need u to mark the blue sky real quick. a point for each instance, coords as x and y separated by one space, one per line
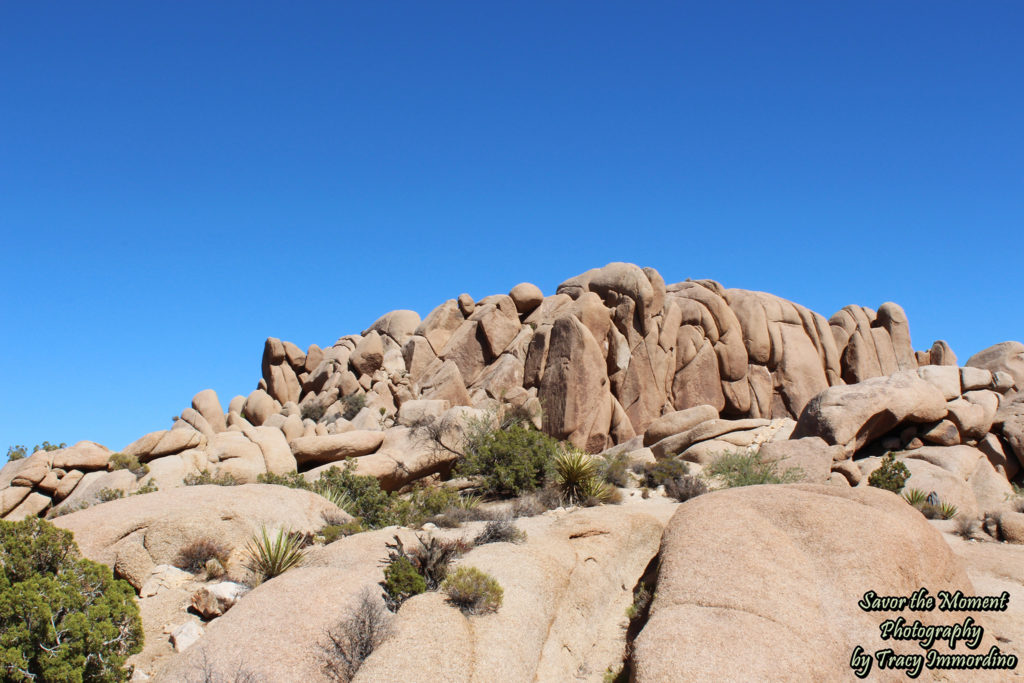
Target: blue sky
179 181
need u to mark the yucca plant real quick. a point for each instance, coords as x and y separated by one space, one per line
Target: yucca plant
948 510
915 497
470 501
267 558
575 475
334 494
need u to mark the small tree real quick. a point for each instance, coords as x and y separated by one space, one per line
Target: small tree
61 618
891 475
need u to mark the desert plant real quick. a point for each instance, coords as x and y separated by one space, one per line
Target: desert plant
642 596
352 404
205 477
402 581
598 492
500 531
61 618
194 556
269 557
614 469
574 470
120 461
509 461
354 638
16 452
149 487
915 497
369 502
107 495
947 510
531 504
685 487
748 469
335 494
473 591
332 532
656 474
891 475
293 480
966 527
430 558
312 410
205 671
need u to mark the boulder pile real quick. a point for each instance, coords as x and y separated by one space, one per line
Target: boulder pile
614 358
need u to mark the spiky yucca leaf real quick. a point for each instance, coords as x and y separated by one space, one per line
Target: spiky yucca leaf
267 557
574 470
948 510
470 501
334 494
915 497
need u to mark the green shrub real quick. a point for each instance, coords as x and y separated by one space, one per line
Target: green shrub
120 461
430 558
402 581
510 461
312 410
658 473
205 477
107 495
19 452
614 469
292 480
368 502
352 404
194 556
748 469
149 487
267 557
891 475
473 591
332 532
61 618
16 452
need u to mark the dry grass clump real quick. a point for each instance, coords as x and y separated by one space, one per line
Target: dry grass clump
194 556
473 591
354 638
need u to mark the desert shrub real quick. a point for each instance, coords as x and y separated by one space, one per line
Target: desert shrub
16 452
500 531
354 638
204 671
61 618
107 495
206 477
194 556
402 581
642 596
532 504
268 557
313 410
966 527
891 475
685 487
120 461
149 487
658 473
332 532
915 497
430 558
292 480
614 469
473 591
748 469
352 404
509 461
374 507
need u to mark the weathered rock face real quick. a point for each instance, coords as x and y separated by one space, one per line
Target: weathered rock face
739 567
1006 357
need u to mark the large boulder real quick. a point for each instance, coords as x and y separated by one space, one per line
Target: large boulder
319 450
1006 357
137 533
852 415
781 569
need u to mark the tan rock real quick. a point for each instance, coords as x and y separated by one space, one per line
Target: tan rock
399 325
314 356
497 327
444 382
213 601
944 378
972 379
414 411
527 297
439 325
812 456
32 469
368 354
853 415
848 470
67 484
941 433
318 450
208 405
258 407
971 419
84 455
1006 357
815 550
677 443
11 497
273 445
1002 460
283 383
31 506
941 354
467 349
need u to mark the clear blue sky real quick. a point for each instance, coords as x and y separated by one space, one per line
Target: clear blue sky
179 181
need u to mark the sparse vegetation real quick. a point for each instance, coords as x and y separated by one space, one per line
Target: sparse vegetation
355 637
658 473
749 469
269 557
313 410
891 475
352 404
332 532
509 461
61 618
915 497
206 477
614 469
120 461
107 495
149 487
685 487
966 527
473 591
194 556
500 531
18 452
